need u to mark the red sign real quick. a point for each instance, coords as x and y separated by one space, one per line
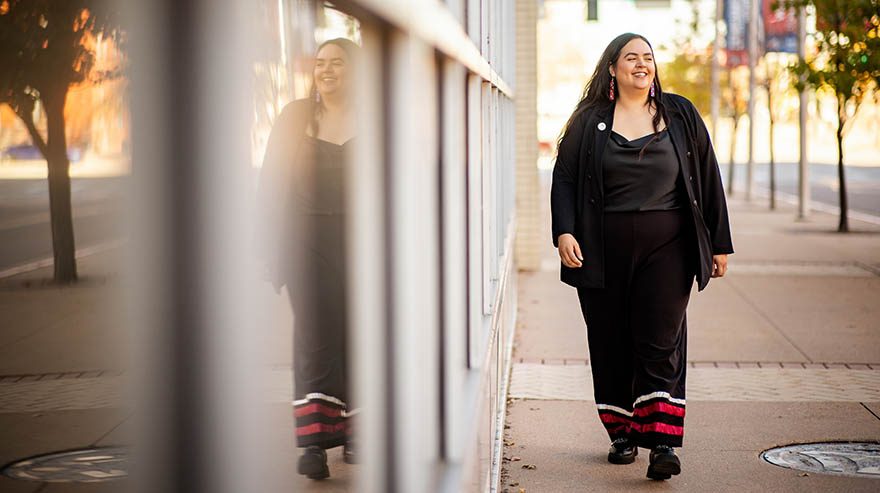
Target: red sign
780 28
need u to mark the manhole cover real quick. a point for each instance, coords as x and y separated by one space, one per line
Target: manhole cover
860 459
77 466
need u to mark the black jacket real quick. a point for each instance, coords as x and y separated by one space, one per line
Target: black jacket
576 196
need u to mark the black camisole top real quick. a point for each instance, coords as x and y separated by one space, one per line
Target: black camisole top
640 183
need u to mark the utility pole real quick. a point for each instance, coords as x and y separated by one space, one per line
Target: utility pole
753 56
716 48
803 170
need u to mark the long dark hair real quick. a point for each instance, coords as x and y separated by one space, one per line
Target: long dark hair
351 49
596 93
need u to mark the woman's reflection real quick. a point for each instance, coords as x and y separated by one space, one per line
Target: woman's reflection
303 178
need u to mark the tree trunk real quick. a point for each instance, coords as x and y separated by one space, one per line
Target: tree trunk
843 226
772 154
60 210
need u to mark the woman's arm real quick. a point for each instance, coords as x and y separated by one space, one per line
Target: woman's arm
563 191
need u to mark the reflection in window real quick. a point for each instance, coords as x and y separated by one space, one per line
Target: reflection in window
303 130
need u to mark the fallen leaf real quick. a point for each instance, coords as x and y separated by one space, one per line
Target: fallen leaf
515 459
515 483
530 467
804 474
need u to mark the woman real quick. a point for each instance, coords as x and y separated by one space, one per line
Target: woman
302 192
638 212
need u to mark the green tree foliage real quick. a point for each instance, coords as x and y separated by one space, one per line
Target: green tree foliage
45 47
689 73
847 63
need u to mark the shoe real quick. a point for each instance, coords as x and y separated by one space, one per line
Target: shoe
664 463
349 453
622 451
313 463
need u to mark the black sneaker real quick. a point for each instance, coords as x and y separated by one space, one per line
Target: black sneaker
313 463
664 463
622 451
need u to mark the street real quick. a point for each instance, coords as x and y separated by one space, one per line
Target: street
25 231
863 183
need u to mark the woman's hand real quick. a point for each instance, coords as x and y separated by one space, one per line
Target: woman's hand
569 251
719 265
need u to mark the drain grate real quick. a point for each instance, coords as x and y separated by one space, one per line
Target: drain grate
856 459
90 465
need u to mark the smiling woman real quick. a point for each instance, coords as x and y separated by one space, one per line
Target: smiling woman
638 213
302 191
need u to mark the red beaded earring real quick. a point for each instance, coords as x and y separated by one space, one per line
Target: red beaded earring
611 91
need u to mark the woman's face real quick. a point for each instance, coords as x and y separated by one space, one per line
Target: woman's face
635 66
331 69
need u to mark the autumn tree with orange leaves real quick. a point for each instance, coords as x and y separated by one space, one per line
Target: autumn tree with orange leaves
46 46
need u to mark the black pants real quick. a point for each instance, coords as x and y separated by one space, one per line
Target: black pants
321 404
637 326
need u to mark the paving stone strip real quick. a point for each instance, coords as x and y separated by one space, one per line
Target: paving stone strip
573 382
33 377
108 389
723 364
569 379
804 268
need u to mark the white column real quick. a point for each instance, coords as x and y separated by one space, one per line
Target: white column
367 283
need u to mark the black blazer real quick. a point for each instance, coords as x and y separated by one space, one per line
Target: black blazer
576 196
284 164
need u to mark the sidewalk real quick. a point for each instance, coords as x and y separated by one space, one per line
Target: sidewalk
65 378
785 349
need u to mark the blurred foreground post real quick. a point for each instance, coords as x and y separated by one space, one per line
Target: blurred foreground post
199 413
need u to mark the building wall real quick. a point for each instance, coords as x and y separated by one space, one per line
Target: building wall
445 178
430 237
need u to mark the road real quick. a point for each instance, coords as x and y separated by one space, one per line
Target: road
25 234
863 183
25 231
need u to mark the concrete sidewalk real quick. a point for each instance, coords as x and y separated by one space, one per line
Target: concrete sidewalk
65 378
785 349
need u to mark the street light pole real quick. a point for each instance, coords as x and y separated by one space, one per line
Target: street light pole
803 170
753 55
716 48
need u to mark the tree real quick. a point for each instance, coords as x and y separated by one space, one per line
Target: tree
847 64
689 74
45 47
690 69
768 81
736 101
